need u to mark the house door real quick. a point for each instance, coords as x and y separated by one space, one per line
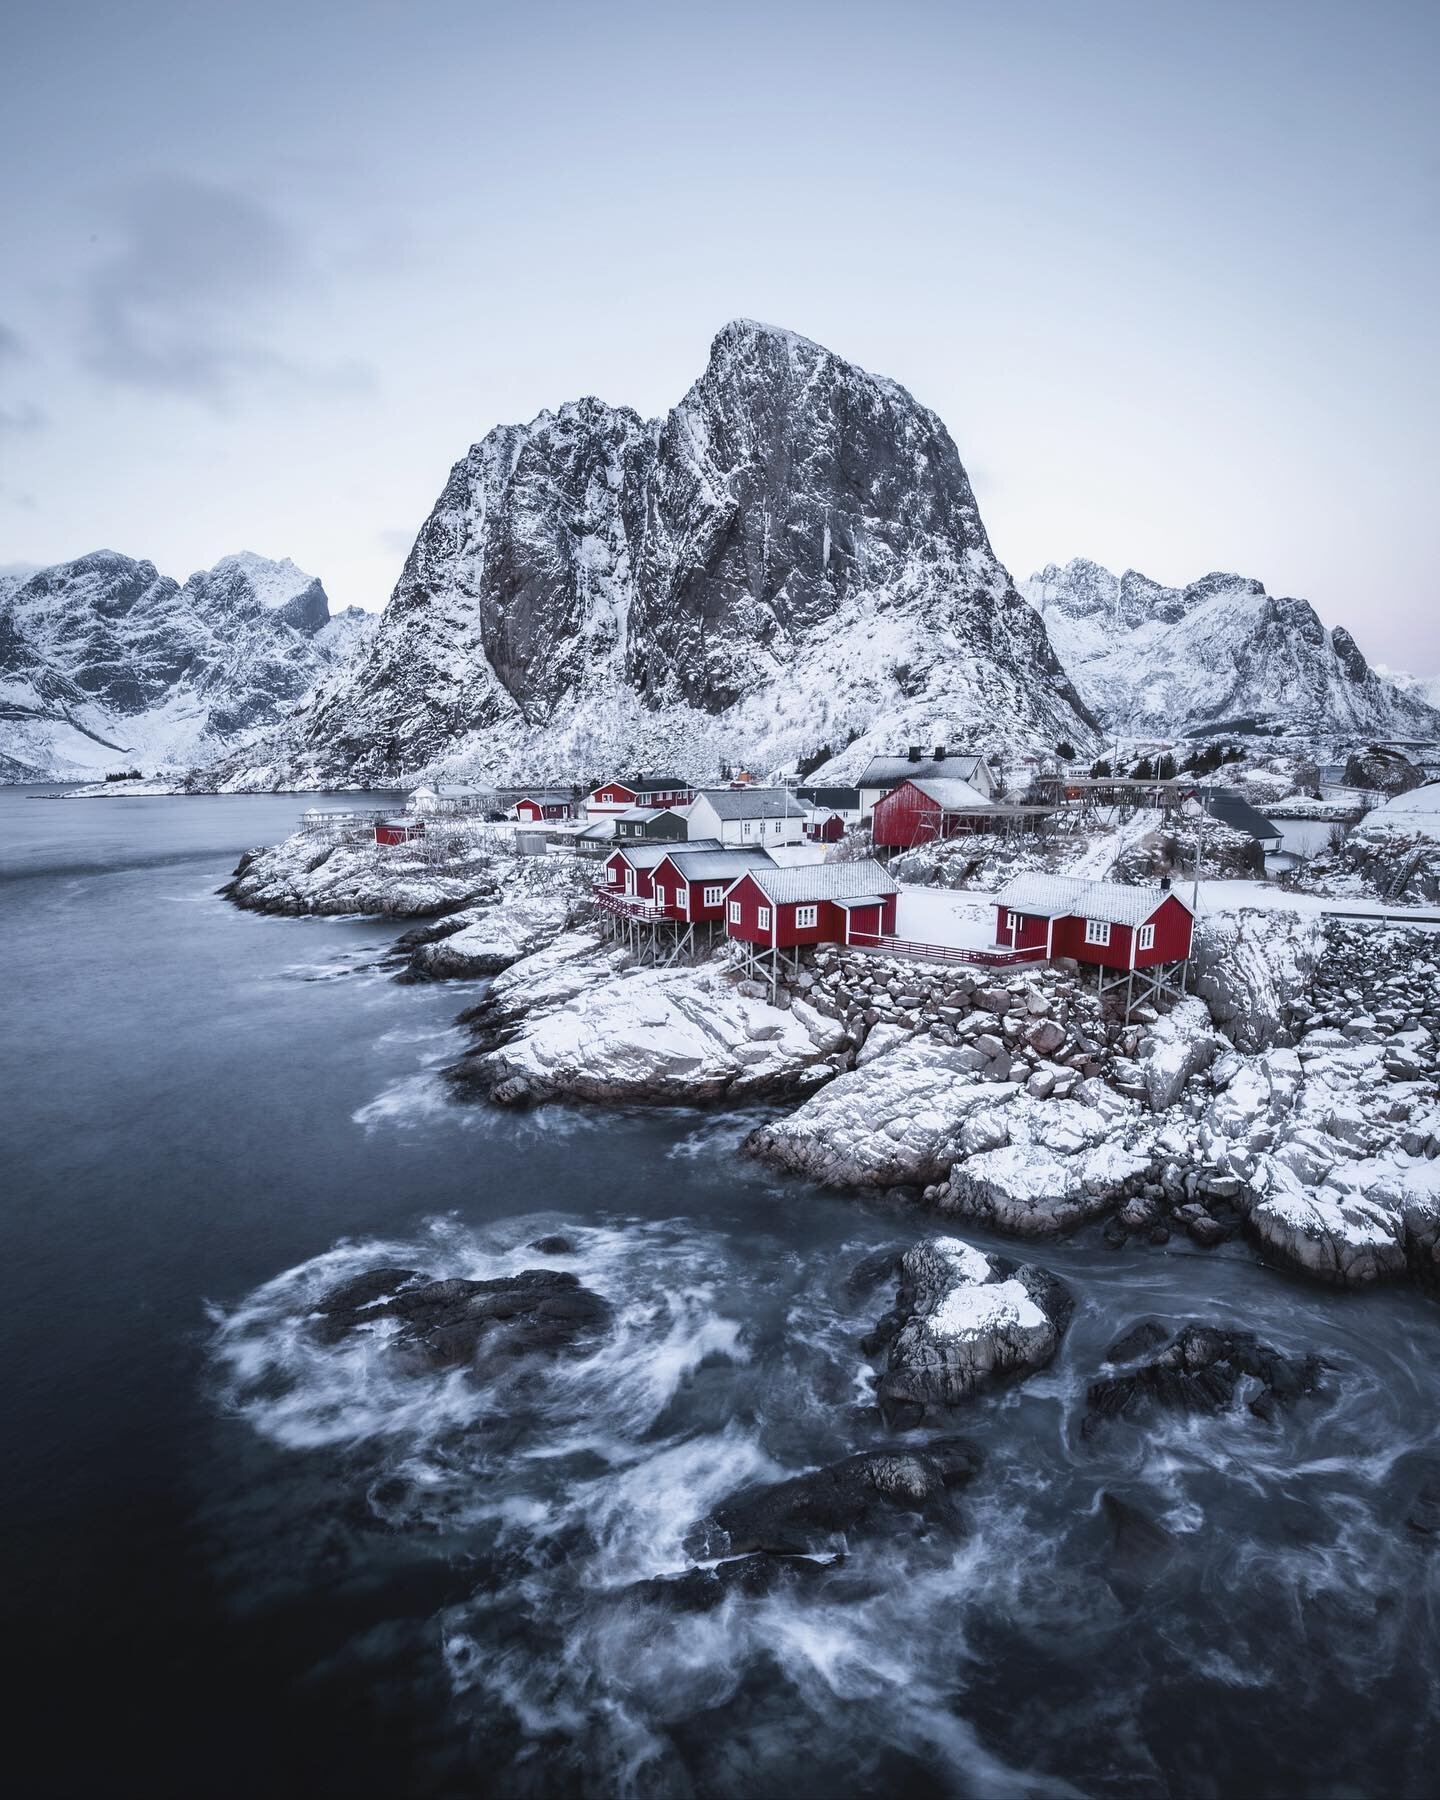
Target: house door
629 881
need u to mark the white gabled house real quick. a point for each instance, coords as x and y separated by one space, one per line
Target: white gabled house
745 817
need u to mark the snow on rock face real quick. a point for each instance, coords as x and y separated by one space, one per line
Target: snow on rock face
1177 1046
1252 967
962 1322
669 1035
493 937
306 875
105 661
792 554
1218 654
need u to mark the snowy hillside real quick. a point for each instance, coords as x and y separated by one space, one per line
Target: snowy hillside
791 557
1218 655
1420 687
107 664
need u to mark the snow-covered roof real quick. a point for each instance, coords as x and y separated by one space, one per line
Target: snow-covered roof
890 771
952 796
645 784
640 814
648 856
711 865
1068 896
598 833
824 881
546 796
753 803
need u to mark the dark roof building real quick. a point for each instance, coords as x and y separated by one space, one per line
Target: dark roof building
1231 808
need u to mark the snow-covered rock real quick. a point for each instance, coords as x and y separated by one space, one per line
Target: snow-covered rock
1251 967
1220 654
105 663
493 937
791 558
305 874
677 1036
1177 1046
962 1321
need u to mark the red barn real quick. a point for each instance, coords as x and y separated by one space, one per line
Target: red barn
919 812
691 884
399 831
1101 922
822 903
543 807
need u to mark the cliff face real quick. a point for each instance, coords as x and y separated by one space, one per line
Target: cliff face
1218 655
792 557
104 661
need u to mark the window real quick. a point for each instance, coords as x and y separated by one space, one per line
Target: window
1014 920
734 912
762 918
612 875
745 829
1147 938
1097 931
806 916
775 828
713 896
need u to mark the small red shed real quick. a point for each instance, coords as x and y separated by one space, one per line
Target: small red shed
399 831
824 827
919 812
1101 922
821 903
544 807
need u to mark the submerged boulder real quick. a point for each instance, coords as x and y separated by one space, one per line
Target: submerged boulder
962 1321
448 1323
702 1589
1203 1369
876 1491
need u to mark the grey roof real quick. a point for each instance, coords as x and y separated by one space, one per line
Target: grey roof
645 856
1233 809
753 803
645 784
601 831
951 795
838 799
545 796
1068 896
890 771
824 881
710 865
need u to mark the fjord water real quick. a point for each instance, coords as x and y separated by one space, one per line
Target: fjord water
242 1562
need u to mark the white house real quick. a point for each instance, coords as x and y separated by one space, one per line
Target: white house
760 816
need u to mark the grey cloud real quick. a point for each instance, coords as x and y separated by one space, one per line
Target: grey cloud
180 305
11 344
398 543
24 417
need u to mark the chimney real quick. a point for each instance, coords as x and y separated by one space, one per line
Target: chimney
1164 884
913 753
939 753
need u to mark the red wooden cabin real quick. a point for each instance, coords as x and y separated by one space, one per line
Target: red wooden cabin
630 868
1102 922
399 831
638 790
822 903
691 883
538 809
919 812
824 827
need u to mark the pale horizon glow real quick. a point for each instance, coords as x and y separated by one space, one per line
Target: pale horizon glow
1167 275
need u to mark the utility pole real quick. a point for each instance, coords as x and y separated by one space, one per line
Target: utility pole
1199 837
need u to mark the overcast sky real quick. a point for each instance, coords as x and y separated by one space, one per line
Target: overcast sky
1168 273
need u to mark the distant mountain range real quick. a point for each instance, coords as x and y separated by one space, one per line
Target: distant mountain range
1219 656
791 558
107 664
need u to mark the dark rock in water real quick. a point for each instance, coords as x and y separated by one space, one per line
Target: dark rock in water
447 1323
962 1321
701 1590
870 1271
1204 1369
876 1491
1135 1536
1424 1513
551 1246
1142 1337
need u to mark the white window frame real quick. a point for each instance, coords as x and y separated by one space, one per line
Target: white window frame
745 828
1097 931
736 912
612 875
1012 921
806 916
775 828
712 896
762 918
1146 939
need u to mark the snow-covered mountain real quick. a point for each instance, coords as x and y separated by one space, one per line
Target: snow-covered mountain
1421 687
105 663
791 558
1218 655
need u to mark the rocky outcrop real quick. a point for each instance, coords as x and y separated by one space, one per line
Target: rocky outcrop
1253 969
307 874
962 1321
1202 1369
1382 771
876 1492
792 557
455 1323
482 940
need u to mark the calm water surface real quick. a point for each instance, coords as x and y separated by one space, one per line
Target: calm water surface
239 1562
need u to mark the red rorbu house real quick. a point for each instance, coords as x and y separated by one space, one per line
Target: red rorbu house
399 831
919 812
823 827
629 869
545 806
637 790
772 911
689 885
1127 932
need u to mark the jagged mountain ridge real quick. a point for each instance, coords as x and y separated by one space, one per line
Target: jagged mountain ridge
792 557
1221 654
104 661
